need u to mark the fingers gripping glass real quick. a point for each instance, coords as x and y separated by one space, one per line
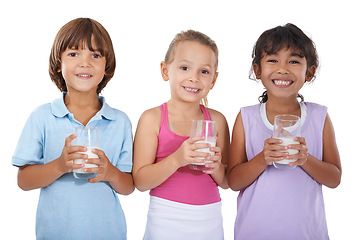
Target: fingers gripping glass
87 137
207 129
286 128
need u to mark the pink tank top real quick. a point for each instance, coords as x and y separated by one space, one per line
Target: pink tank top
185 185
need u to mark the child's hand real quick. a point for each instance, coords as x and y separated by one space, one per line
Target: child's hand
187 152
271 151
302 155
69 153
105 169
216 158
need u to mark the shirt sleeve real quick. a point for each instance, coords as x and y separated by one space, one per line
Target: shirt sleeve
125 163
29 149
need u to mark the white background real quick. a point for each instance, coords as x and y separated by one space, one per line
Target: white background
141 32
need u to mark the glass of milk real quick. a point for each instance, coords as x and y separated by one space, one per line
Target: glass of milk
87 137
208 129
286 128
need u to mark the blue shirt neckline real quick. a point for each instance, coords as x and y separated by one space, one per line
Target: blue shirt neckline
60 110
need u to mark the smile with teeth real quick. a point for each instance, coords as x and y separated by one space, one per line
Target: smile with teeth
191 89
282 82
84 75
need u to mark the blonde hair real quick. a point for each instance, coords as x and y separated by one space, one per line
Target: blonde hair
191 35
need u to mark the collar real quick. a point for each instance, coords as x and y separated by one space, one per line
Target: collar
60 110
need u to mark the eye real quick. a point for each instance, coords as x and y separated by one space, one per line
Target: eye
294 62
184 68
96 55
272 61
205 72
72 54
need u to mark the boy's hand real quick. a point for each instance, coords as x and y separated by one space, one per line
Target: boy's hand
105 169
69 153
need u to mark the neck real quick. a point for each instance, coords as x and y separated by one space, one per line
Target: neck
185 109
277 106
82 105
81 100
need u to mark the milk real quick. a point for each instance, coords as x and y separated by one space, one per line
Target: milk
79 173
201 166
286 142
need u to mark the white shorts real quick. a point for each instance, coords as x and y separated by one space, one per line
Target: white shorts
168 220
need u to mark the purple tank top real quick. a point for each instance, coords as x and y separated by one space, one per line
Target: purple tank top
185 185
282 204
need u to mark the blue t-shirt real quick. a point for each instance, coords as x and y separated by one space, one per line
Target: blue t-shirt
71 208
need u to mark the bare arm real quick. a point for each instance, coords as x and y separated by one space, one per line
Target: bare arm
241 172
38 176
120 181
149 174
328 171
146 173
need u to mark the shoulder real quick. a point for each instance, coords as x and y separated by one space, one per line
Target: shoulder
42 110
149 124
316 106
314 110
120 115
216 115
41 114
152 114
250 109
150 119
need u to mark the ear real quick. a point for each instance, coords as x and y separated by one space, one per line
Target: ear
214 80
310 73
257 71
164 71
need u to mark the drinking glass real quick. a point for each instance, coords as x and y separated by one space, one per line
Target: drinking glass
286 128
87 137
207 129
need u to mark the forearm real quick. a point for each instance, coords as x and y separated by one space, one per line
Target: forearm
122 182
244 174
322 172
220 177
152 175
38 176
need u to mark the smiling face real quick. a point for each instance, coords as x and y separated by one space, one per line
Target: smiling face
82 69
283 73
192 73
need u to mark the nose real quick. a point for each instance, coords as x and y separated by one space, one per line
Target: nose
85 61
194 77
282 68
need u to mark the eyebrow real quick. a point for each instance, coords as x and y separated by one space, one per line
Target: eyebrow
190 62
294 54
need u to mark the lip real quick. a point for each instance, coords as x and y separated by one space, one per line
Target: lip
191 90
282 82
84 76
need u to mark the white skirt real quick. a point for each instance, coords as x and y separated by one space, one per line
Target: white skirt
168 220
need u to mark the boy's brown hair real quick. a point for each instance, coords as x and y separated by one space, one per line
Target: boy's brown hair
76 33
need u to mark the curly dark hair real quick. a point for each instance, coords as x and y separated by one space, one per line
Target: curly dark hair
72 35
275 39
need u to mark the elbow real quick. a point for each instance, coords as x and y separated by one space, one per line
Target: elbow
234 187
128 191
23 187
334 184
141 187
